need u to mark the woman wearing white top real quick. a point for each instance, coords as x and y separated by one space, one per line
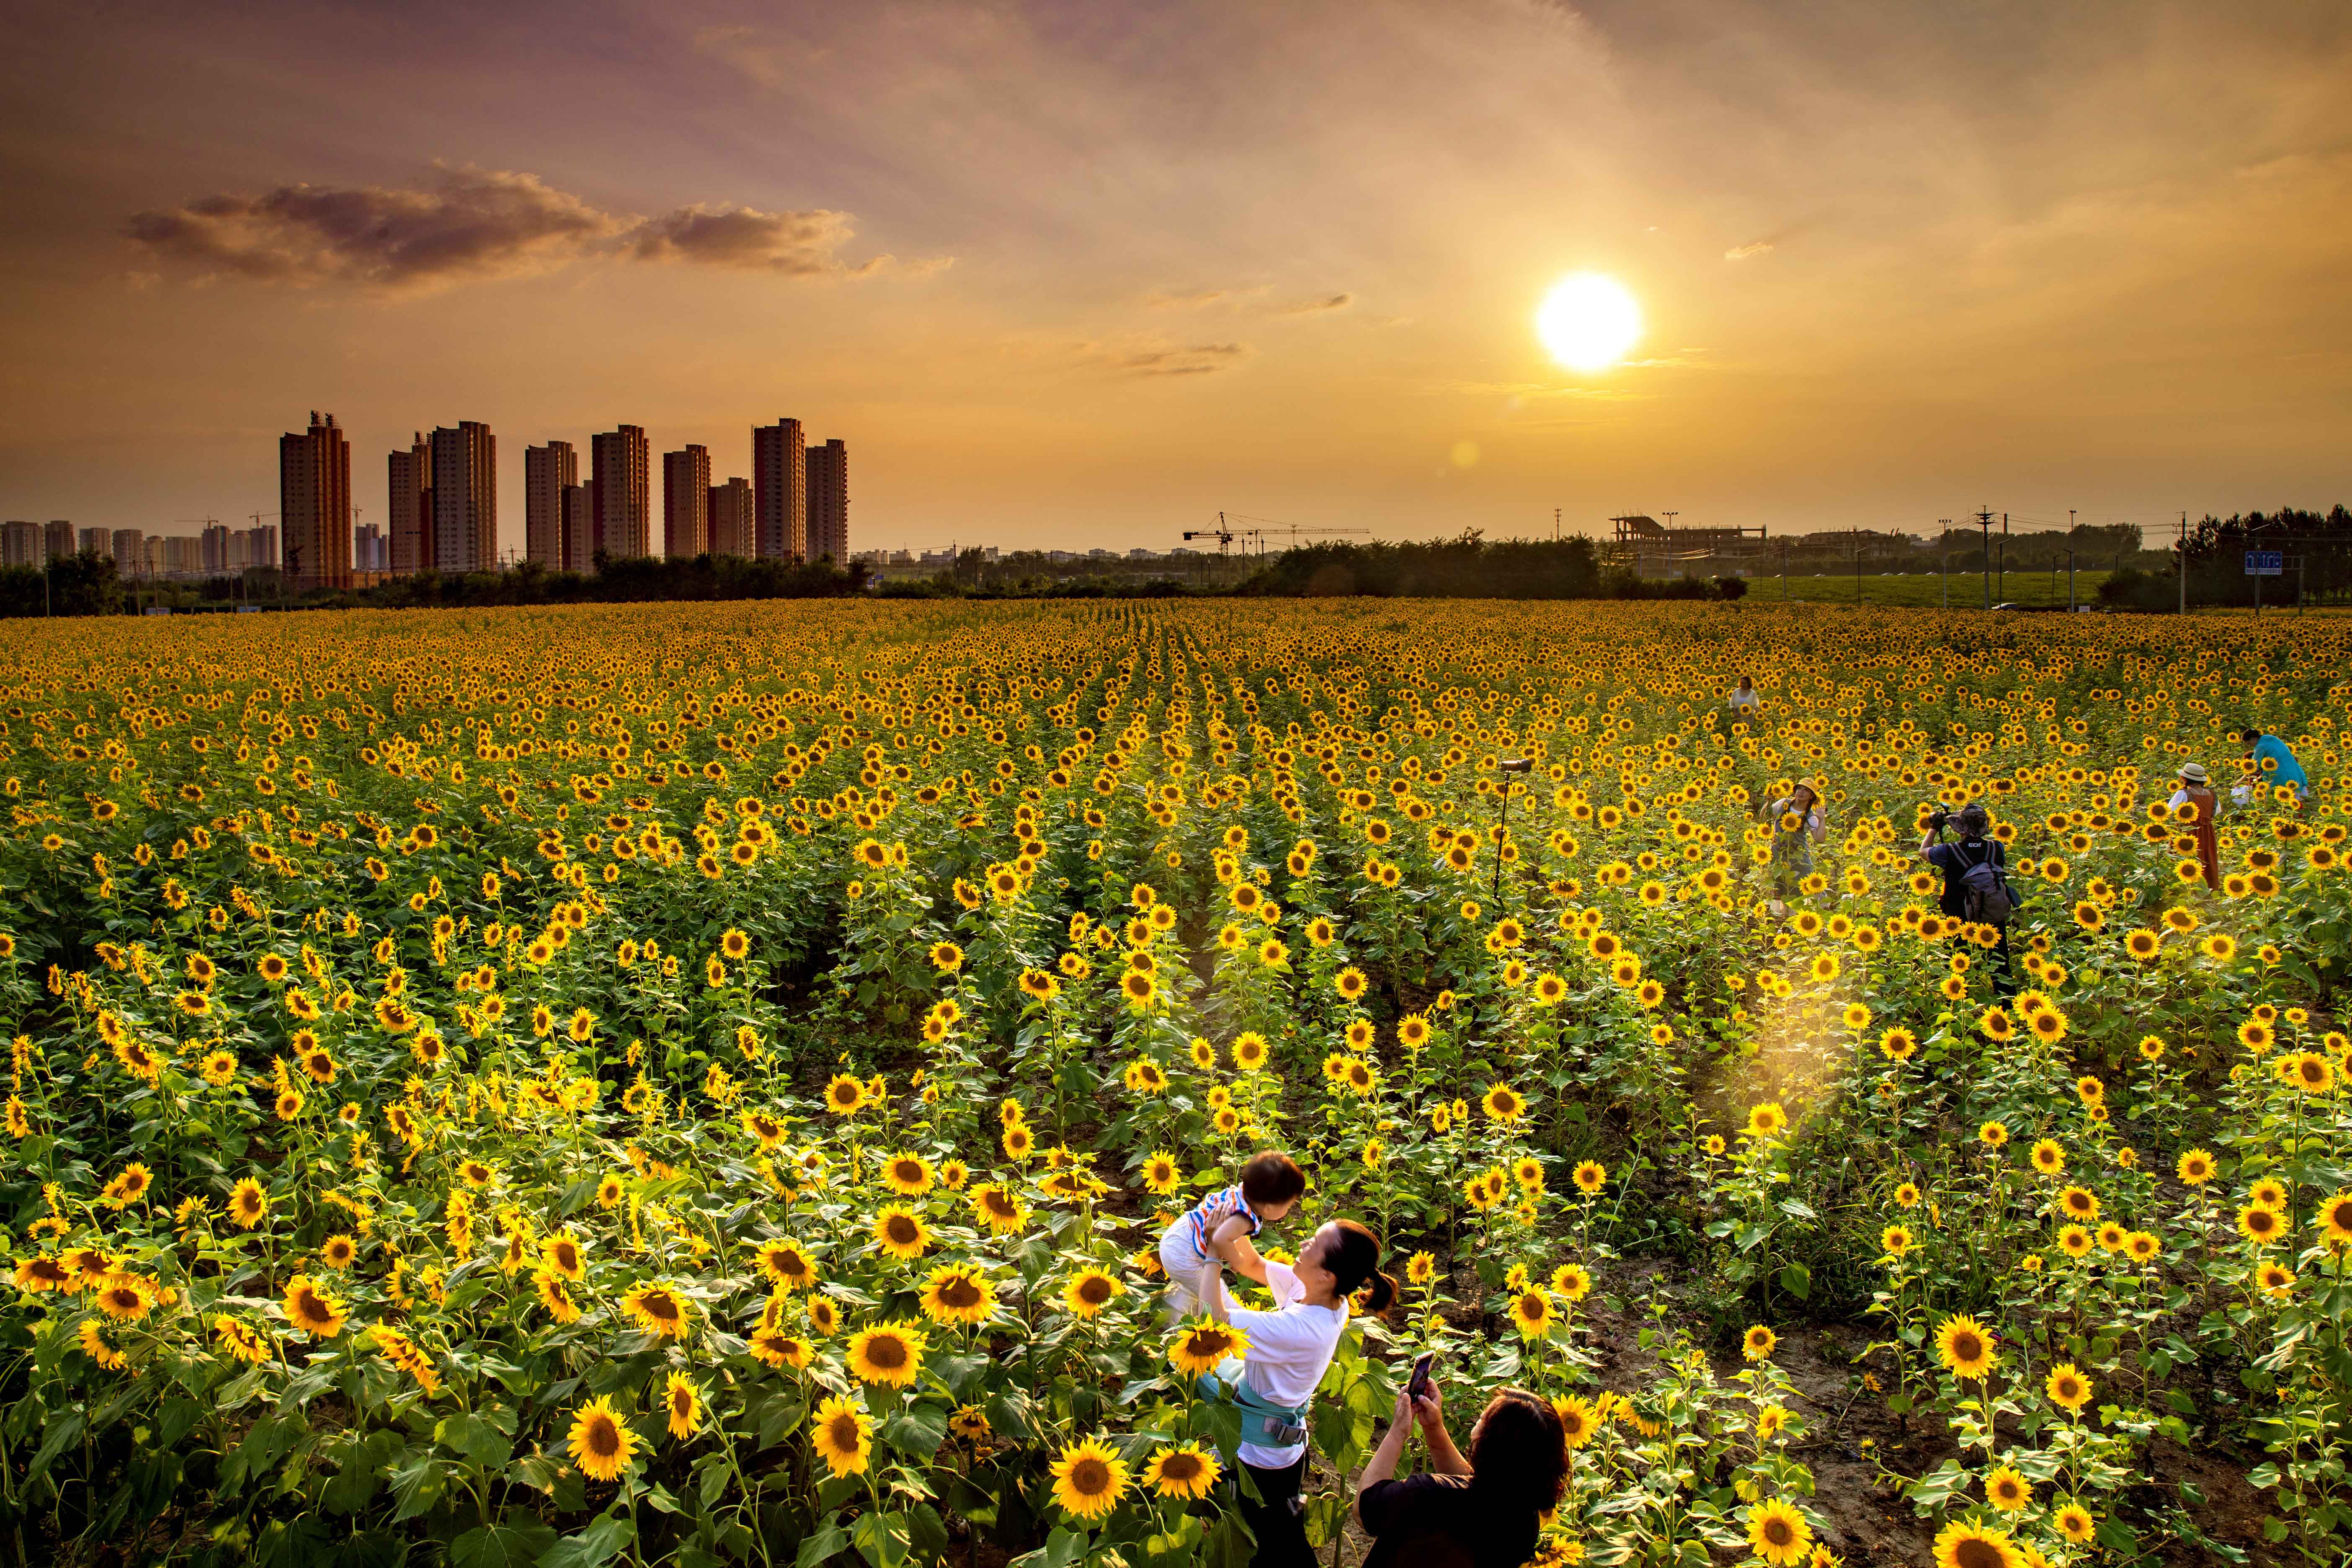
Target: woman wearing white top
1290 1348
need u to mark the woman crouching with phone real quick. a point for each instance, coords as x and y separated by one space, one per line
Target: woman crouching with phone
1484 1512
1290 1348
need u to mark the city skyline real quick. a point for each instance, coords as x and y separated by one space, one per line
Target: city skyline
1088 274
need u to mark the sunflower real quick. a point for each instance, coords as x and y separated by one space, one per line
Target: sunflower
1202 1346
2074 1522
1531 1311
998 1208
1249 1050
2196 1168
1421 1269
2078 1203
247 1204
1992 1135
1899 1044
888 1353
899 1232
2274 1279
1504 1104
1577 1420
1894 1240
1089 1478
2075 1241
125 1298
1965 1348
1778 1533
1962 1545
337 1252
683 1400
1907 1195
957 1294
2049 1158
845 1095
94 1345
1160 1173
1089 1292
656 1308
554 1297
1018 1140
907 1173
2068 1388
2261 1226
1758 1343
786 1264
1188 1472
2007 1491
242 1340
560 1253
601 1442
1766 1121
312 1310
2308 1071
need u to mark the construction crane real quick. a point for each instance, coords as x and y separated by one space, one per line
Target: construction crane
1225 533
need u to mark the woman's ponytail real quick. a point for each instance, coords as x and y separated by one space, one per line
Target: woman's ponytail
1355 1265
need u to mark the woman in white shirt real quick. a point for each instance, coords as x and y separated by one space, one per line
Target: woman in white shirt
1289 1349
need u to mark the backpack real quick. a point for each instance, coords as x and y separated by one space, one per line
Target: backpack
1984 893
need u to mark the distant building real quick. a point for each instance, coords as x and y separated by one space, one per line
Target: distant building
828 500
96 541
369 549
464 490
547 472
1139 553
685 503
57 540
216 547
579 528
734 521
20 545
780 490
410 530
314 503
250 547
623 474
128 548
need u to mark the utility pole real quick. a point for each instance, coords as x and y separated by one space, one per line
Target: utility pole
1984 561
1554 525
1946 524
1857 565
2184 562
2003 594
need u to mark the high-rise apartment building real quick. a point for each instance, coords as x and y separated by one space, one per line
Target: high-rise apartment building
128 548
57 540
216 547
314 503
828 503
685 503
20 545
256 546
623 473
780 490
547 472
409 531
465 498
96 541
579 528
733 523
368 549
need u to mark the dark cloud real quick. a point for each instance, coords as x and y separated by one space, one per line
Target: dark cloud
1316 307
467 223
472 224
798 244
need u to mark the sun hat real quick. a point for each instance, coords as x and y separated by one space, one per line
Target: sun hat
2194 772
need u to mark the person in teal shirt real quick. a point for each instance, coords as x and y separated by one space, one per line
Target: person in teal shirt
2275 761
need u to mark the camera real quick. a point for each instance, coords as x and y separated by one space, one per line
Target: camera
1937 819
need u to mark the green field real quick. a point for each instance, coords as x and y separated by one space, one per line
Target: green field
1925 590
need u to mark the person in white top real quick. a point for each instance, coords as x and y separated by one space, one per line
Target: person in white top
1289 1349
1745 696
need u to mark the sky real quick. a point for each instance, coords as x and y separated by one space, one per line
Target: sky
1068 275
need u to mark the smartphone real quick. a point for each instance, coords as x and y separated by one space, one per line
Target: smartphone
1419 1384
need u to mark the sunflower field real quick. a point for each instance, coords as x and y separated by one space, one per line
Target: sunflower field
704 1083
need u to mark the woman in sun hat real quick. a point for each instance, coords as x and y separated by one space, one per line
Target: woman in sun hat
2196 794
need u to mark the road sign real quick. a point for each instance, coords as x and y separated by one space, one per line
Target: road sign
2265 563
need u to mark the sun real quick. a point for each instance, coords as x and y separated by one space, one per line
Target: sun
1589 320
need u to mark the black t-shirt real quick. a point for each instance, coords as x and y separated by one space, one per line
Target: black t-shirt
1440 1522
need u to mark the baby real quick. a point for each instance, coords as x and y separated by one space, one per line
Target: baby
1216 1231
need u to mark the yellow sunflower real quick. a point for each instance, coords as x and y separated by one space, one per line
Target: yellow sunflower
1965 1348
843 1436
1778 1533
1188 1472
1089 1478
889 1352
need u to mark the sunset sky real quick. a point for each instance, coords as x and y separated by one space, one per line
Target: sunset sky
1082 274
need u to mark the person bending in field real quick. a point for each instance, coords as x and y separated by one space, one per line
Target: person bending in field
2196 801
2274 764
1215 1233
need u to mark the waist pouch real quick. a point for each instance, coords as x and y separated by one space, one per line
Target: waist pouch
1264 1424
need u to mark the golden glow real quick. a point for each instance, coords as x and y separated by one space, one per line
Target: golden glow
1589 320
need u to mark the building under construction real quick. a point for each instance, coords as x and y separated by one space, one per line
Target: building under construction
1648 545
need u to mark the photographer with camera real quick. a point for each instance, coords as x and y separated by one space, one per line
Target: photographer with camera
1483 1512
1976 876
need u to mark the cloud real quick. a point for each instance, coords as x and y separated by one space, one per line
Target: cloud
1316 307
1742 252
474 225
1187 299
468 224
796 244
1157 357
